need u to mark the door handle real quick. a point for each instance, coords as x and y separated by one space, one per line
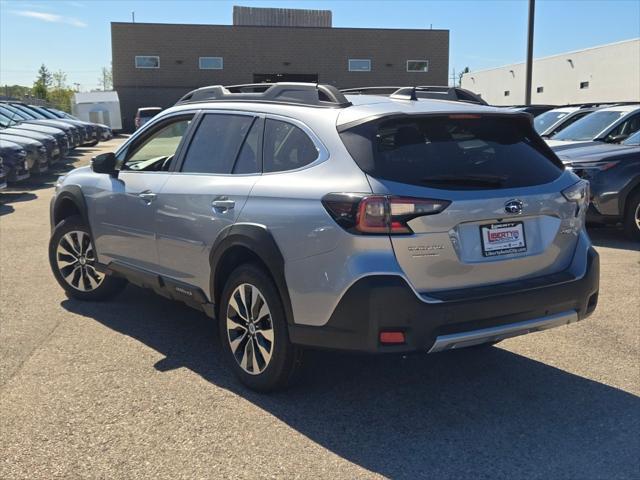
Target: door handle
147 197
223 204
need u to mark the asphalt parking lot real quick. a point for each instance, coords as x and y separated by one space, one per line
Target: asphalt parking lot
136 388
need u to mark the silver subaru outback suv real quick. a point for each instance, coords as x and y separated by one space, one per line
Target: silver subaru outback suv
299 216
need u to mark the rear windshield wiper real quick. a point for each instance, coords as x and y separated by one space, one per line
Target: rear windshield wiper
466 180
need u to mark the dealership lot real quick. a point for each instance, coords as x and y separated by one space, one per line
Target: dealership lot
135 388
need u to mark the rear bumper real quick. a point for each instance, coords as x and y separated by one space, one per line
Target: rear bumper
380 303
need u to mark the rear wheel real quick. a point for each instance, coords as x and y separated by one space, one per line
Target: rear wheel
253 331
73 262
632 216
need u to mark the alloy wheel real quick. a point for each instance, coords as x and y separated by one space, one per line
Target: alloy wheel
637 216
76 260
250 329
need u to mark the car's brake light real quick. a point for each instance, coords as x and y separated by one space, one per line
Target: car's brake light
579 193
379 214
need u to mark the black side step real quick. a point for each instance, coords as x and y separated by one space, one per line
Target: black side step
167 287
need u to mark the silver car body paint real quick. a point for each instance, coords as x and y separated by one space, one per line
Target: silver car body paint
174 233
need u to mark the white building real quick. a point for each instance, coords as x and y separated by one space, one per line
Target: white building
607 73
98 107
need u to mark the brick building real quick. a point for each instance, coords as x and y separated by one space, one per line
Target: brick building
155 64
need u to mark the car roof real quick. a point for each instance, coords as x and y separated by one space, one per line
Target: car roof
361 108
565 109
621 108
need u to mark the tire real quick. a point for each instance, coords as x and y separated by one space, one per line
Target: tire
632 216
257 345
72 259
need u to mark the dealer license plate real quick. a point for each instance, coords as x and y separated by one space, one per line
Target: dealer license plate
503 239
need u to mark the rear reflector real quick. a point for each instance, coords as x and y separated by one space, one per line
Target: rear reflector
391 337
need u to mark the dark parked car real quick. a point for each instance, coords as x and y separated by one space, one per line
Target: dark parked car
15 160
90 134
18 114
613 170
15 124
37 159
3 175
15 135
104 131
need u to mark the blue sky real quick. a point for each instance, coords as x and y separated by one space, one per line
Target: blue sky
74 36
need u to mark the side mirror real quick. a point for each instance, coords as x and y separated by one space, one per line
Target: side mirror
105 163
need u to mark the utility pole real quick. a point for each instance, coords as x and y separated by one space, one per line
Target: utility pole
133 17
527 90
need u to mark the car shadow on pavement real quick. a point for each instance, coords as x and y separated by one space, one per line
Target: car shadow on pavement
8 197
612 237
463 414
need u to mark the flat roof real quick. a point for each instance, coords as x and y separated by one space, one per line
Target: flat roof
563 54
200 25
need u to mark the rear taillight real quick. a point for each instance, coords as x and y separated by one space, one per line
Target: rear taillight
379 214
579 193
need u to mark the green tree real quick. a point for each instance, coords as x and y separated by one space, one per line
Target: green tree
59 79
15 91
42 83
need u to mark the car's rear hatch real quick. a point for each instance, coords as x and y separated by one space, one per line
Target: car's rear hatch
505 216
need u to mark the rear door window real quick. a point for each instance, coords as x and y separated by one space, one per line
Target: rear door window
453 152
216 143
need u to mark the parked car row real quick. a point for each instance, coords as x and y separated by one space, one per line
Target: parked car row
601 144
32 138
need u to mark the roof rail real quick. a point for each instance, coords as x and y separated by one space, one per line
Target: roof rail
599 104
370 90
308 94
455 94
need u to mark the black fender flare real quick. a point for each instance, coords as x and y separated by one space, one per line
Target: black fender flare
74 194
261 243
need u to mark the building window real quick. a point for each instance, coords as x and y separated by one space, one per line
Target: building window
539 89
359 65
418 66
506 93
584 85
147 61
210 63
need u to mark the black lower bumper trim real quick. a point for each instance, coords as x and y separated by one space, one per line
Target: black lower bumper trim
387 303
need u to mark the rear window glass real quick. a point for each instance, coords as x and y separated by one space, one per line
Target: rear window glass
149 112
453 153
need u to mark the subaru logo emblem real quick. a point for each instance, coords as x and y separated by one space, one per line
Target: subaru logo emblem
513 206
